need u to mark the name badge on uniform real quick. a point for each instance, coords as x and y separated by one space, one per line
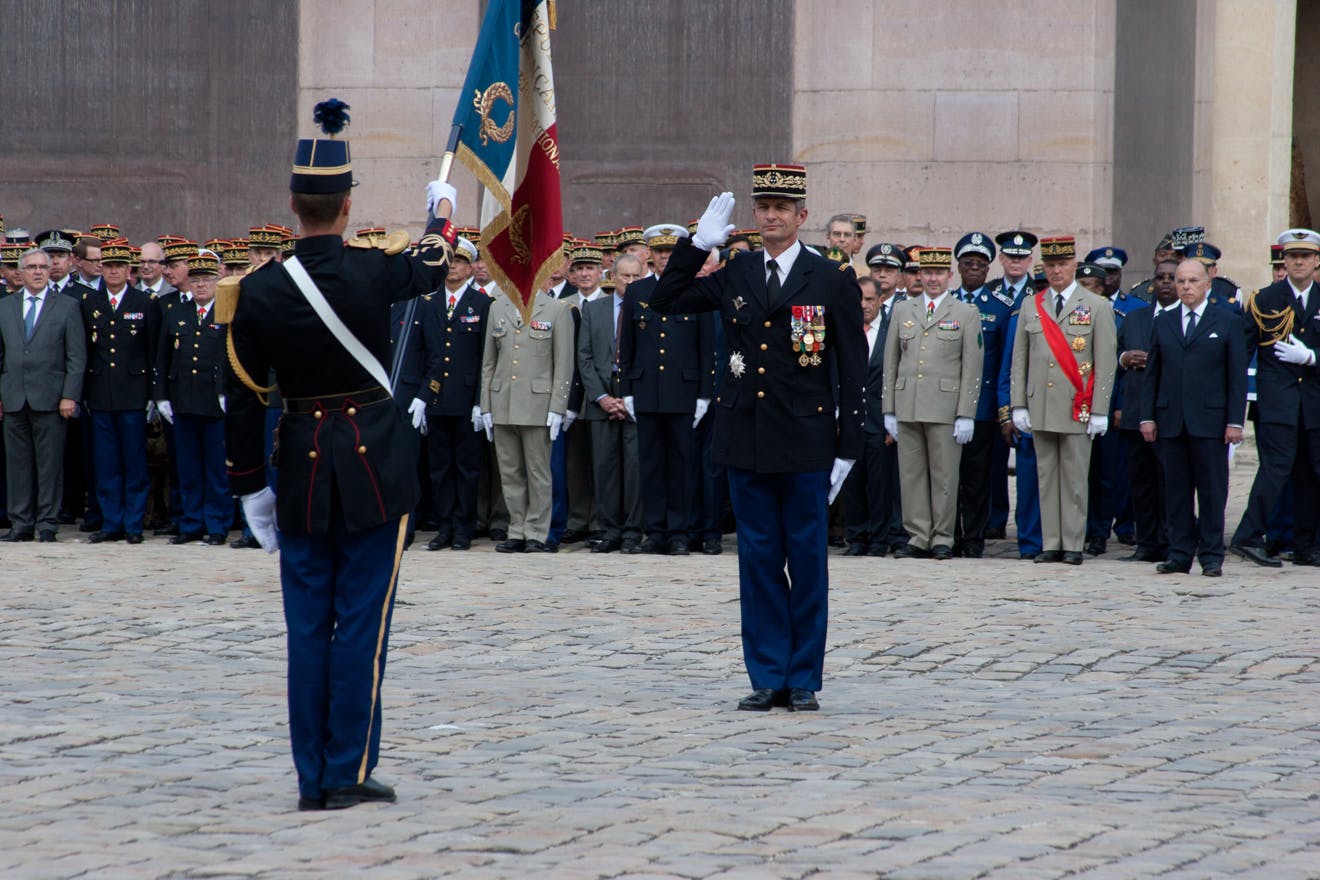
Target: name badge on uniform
948 324
807 334
1081 317
541 325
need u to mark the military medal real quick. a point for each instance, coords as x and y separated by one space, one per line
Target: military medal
1084 368
1079 343
736 364
738 302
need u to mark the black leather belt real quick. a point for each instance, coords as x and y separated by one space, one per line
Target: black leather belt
328 403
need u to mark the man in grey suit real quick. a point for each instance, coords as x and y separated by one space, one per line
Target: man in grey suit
43 353
613 431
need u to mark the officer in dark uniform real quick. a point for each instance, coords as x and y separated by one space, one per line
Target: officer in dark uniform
1163 251
796 352
189 392
121 333
346 456
974 253
1223 290
665 362
457 322
178 251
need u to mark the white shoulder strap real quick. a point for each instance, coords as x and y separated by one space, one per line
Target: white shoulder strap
333 324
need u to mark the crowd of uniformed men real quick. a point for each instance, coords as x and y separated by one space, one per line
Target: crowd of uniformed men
1053 371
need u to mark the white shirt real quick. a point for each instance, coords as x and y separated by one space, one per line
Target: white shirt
584 298
1014 290
1302 294
202 316
149 290
874 333
784 261
1067 293
934 304
34 307
1199 311
117 298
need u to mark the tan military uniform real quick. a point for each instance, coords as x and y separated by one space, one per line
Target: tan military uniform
932 376
1063 449
526 373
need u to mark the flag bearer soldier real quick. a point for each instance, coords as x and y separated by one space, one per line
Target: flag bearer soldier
796 352
189 392
1063 373
121 328
346 454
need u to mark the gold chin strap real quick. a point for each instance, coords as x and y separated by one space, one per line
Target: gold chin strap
226 304
1273 325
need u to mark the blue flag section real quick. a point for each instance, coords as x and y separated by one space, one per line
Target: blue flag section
488 104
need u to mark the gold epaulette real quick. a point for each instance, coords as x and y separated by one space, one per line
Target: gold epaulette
395 242
226 299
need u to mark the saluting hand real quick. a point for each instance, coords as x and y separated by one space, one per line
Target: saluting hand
714 228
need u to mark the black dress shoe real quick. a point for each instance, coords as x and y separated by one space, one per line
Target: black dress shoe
102 537
533 546
995 534
836 541
215 539
1306 559
1143 555
14 537
855 549
461 542
877 550
1171 567
439 542
631 547
608 545
1028 554
678 547
352 795
1095 546
166 530
186 538
498 535
46 536
712 546
1049 556
651 545
89 526
1127 540
802 700
66 518
941 552
550 547
973 549
762 700
573 536
1072 557
911 551
1212 571
1256 555
133 538
248 543
510 545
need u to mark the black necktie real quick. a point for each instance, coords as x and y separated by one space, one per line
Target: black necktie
1058 304
1191 325
772 282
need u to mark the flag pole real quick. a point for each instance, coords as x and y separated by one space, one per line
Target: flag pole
447 160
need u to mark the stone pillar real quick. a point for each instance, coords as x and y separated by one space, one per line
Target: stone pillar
399 65
936 117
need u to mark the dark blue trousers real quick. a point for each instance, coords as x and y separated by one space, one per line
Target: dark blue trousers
783 576
206 505
998 485
175 478
119 444
338 600
1027 517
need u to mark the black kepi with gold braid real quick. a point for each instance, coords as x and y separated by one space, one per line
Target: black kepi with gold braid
777 181
322 165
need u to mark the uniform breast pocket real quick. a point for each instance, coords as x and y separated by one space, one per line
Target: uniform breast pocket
500 331
538 334
950 336
739 319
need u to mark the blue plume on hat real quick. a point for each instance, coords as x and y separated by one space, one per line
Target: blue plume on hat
331 115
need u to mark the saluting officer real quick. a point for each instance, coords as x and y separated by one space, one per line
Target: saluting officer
1063 374
932 381
347 457
189 392
793 321
666 363
121 332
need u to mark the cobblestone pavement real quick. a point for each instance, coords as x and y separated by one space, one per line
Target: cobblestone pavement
572 716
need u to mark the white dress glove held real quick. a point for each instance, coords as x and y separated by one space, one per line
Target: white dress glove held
259 511
1022 419
838 474
962 430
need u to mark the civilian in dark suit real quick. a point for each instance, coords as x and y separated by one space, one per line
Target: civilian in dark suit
614 433
455 331
1195 403
42 358
665 362
775 423
1145 472
869 497
121 323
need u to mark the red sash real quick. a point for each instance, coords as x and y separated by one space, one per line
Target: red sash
1063 353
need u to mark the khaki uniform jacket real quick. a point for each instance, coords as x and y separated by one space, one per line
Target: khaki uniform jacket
527 369
1038 382
933 366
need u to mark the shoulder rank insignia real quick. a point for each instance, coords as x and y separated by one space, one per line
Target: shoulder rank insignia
1003 297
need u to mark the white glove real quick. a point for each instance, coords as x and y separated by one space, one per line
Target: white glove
478 424
714 228
628 405
962 430
1096 426
488 423
259 511
1022 419
700 412
437 191
891 425
555 422
569 418
838 474
166 411
417 409
1294 351
221 398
